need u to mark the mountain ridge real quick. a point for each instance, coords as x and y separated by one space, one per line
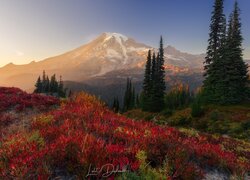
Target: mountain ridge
108 52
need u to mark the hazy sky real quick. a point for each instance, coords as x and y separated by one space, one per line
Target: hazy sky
37 29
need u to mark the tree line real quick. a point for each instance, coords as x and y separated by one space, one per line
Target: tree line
50 86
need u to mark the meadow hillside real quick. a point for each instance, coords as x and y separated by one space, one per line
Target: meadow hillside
66 139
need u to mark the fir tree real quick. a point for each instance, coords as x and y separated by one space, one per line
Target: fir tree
129 96
161 87
61 90
43 82
47 85
137 101
217 28
236 70
158 80
116 106
38 86
53 84
226 78
132 101
154 82
147 83
70 93
213 67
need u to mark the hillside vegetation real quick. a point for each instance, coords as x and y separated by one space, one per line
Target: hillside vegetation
82 132
233 121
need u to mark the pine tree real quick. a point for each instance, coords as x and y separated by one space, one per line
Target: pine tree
137 101
53 84
132 101
116 106
129 96
236 70
226 78
217 28
160 77
38 86
47 85
213 67
147 83
43 82
126 97
158 80
154 82
61 90
70 93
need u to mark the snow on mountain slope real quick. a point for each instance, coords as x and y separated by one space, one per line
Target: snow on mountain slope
108 52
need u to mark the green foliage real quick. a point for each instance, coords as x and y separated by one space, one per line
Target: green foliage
216 35
147 83
38 86
35 137
214 115
167 112
246 125
226 72
197 110
154 82
129 96
178 98
146 171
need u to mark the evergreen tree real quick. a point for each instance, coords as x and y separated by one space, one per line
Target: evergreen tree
217 28
147 83
236 70
161 87
129 96
43 82
226 78
38 86
116 106
70 93
61 90
179 97
53 84
137 101
214 68
132 100
153 91
47 85
154 82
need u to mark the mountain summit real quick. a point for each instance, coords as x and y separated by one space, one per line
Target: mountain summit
108 52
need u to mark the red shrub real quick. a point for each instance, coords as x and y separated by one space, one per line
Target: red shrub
83 132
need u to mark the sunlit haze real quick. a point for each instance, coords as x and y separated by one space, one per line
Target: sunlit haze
32 30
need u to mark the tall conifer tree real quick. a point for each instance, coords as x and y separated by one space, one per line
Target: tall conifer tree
38 86
236 70
213 62
217 28
147 85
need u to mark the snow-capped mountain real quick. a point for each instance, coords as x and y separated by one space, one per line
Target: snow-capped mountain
108 52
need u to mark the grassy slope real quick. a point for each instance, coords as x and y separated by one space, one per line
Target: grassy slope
233 121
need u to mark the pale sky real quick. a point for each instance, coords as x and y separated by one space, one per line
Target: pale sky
38 29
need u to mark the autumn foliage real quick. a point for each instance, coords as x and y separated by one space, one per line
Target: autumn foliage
83 132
